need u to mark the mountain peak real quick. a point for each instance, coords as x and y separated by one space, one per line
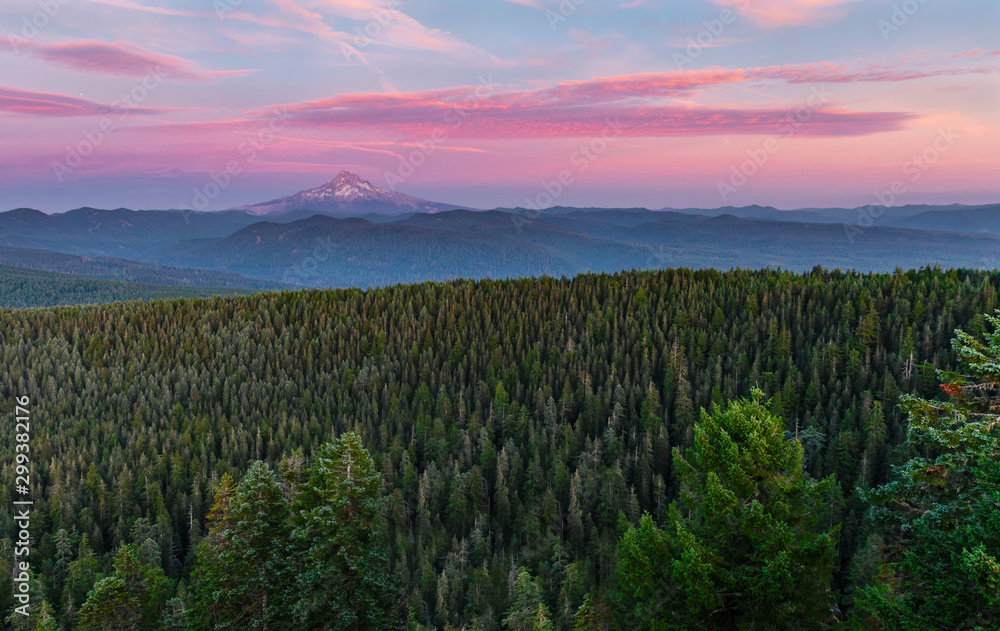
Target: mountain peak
348 194
347 187
345 176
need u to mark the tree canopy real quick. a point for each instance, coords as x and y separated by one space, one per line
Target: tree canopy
512 422
745 546
936 552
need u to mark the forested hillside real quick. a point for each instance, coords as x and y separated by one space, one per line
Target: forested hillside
126 270
22 288
514 422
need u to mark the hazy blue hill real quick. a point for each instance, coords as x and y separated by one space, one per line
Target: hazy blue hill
22 288
972 220
566 210
892 215
585 251
299 215
324 251
616 224
321 250
120 232
126 270
24 218
728 241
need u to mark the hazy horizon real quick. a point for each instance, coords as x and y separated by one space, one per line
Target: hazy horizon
984 199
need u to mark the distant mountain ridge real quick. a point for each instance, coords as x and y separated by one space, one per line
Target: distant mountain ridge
973 220
352 252
347 194
367 236
121 232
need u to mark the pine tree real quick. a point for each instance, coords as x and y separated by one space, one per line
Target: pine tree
131 599
941 512
46 619
527 612
243 570
743 548
176 616
592 616
81 574
343 580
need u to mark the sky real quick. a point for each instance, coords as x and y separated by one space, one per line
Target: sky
211 104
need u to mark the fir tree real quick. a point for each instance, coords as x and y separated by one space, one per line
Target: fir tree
941 512
343 577
743 548
131 599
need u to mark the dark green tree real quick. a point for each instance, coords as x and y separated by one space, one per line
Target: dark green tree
244 571
593 616
343 579
743 548
527 612
148 403
131 599
941 512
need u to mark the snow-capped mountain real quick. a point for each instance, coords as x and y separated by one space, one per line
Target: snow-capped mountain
348 194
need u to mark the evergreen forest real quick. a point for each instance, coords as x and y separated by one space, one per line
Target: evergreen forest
657 450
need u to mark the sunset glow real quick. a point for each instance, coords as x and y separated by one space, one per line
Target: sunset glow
135 103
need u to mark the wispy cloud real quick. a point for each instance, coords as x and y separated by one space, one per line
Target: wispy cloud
646 104
533 4
119 58
775 13
398 29
46 104
640 103
130 4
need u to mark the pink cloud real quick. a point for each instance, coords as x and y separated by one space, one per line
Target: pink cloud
975 52
122 59
531 4
834 73
775 13
640 121
645 103
641 104
45 104
129 4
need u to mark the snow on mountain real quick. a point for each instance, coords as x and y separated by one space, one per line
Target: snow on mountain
348 194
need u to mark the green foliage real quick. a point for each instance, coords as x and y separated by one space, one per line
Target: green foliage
147 407
593 616
312 562
46 619
527 612
941 512
744 548
22 288
131 599
176 616
243 569
341 572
